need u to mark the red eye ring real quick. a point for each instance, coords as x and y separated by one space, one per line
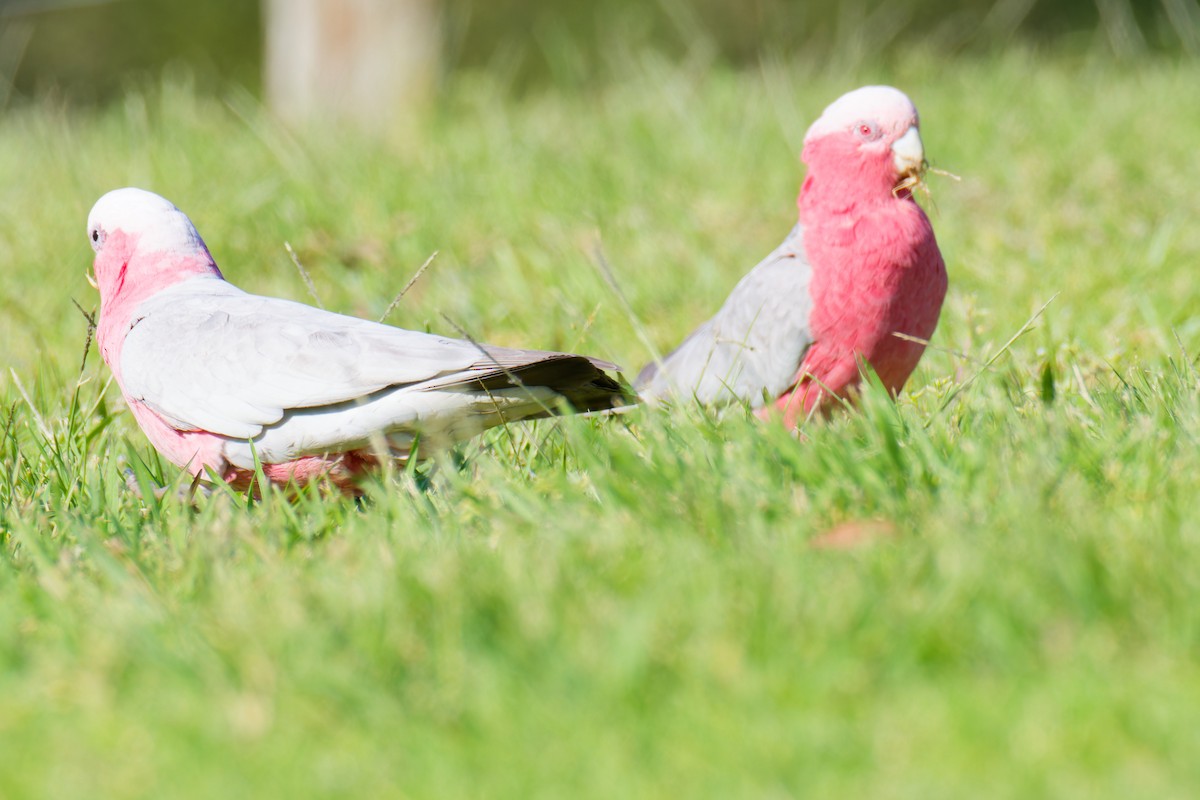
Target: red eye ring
866 130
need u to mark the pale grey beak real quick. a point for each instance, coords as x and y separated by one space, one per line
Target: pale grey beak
908 152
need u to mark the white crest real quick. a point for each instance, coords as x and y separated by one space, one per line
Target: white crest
159 225
888 107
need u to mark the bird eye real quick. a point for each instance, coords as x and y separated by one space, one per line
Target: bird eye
95 236
867 131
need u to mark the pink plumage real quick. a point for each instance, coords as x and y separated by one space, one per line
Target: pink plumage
861 267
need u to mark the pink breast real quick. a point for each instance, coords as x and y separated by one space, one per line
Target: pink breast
872 279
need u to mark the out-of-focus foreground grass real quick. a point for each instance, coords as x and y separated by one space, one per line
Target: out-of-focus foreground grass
630 607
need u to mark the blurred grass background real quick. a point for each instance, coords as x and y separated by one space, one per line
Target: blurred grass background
90 50
629 607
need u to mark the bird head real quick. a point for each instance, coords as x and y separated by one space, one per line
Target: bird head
869 140
144 240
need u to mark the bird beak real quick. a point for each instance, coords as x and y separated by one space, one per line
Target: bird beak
91 280
908 154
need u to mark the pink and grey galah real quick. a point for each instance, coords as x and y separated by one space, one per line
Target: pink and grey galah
217 377
859 280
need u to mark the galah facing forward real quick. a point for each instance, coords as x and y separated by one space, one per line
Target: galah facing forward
216 376
856 281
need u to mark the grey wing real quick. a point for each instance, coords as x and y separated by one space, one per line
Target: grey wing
208 356
751 349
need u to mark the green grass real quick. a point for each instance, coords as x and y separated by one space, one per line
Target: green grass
630 607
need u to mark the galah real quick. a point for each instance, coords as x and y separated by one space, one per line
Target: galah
217 377
858 281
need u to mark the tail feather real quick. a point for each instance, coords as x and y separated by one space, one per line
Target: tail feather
581 381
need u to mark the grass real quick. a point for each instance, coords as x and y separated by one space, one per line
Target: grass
630 607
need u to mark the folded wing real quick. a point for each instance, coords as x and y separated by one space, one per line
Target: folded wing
207 356
751 350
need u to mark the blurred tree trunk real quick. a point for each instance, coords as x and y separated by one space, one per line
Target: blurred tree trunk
364 60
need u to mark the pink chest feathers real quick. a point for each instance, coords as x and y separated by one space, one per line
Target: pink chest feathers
878 283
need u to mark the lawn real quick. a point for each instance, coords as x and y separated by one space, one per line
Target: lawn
629 607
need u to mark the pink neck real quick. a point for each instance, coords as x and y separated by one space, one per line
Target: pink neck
126 281
841 179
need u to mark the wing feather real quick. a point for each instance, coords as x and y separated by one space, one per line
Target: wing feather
246 360
752 347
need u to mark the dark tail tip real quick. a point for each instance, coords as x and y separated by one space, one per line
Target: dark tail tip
581 381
